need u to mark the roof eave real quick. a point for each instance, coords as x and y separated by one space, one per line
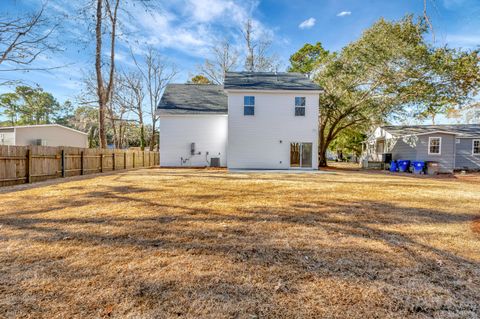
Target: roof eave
240 90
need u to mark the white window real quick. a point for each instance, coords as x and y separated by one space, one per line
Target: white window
476 147
248 105
300 106
434 145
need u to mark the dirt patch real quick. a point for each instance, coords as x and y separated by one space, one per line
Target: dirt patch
476 225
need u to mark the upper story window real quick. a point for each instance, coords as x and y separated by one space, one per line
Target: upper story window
434 145
476 147
248 105
299 106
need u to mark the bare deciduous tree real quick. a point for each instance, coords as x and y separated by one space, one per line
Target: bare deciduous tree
257 58
156 74
23 39
104 88
133 98
224 59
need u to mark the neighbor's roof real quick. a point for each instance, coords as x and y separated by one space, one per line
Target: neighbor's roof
193 99
268 81
43 125
461 130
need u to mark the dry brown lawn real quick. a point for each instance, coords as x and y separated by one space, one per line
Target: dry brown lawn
159 243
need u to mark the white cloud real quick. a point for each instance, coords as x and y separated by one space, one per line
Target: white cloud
344 13
467 41
307 24
192 26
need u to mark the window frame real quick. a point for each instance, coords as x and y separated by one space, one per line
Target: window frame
430 138
473 147
300 105
248 105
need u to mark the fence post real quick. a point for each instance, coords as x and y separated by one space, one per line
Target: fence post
63 163
143 158
82 164
101 163
113 160
28 167
133 154
124 159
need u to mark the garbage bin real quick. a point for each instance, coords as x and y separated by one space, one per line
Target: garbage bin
418 167
433 168
393 166
403 165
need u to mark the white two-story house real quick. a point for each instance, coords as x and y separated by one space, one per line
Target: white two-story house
254 121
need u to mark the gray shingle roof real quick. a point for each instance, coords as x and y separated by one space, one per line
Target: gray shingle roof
193 99
462 130
268 81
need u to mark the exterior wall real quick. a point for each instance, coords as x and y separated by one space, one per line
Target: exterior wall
177 132
447 157
404 148
7 136
51 135
464 158
263 140
372 151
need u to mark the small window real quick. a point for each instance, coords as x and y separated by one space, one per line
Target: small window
435 145
248 105
299 106
457 141
476 147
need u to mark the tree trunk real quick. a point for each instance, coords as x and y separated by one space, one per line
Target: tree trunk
152 138
142 137
324 142
98 68
322 157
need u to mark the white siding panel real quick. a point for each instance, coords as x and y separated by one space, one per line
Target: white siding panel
177 132
7 138
263 140
51 136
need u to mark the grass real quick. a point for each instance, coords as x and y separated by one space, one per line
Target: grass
210 244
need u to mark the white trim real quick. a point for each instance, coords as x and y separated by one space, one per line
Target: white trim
191 114
439 146
44 125
469 137
300 151
473 147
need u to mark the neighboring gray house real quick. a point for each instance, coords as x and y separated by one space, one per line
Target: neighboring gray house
454 147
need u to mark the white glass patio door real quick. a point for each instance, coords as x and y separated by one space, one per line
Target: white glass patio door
301 155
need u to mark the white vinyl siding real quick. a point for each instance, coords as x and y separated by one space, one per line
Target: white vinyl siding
50 135
263 141
178 132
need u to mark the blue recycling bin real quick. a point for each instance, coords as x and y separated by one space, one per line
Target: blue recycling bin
393 166
418 167
403 165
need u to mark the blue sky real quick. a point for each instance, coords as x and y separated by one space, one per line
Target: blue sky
183 30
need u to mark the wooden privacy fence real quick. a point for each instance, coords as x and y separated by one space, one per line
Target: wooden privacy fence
28 164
